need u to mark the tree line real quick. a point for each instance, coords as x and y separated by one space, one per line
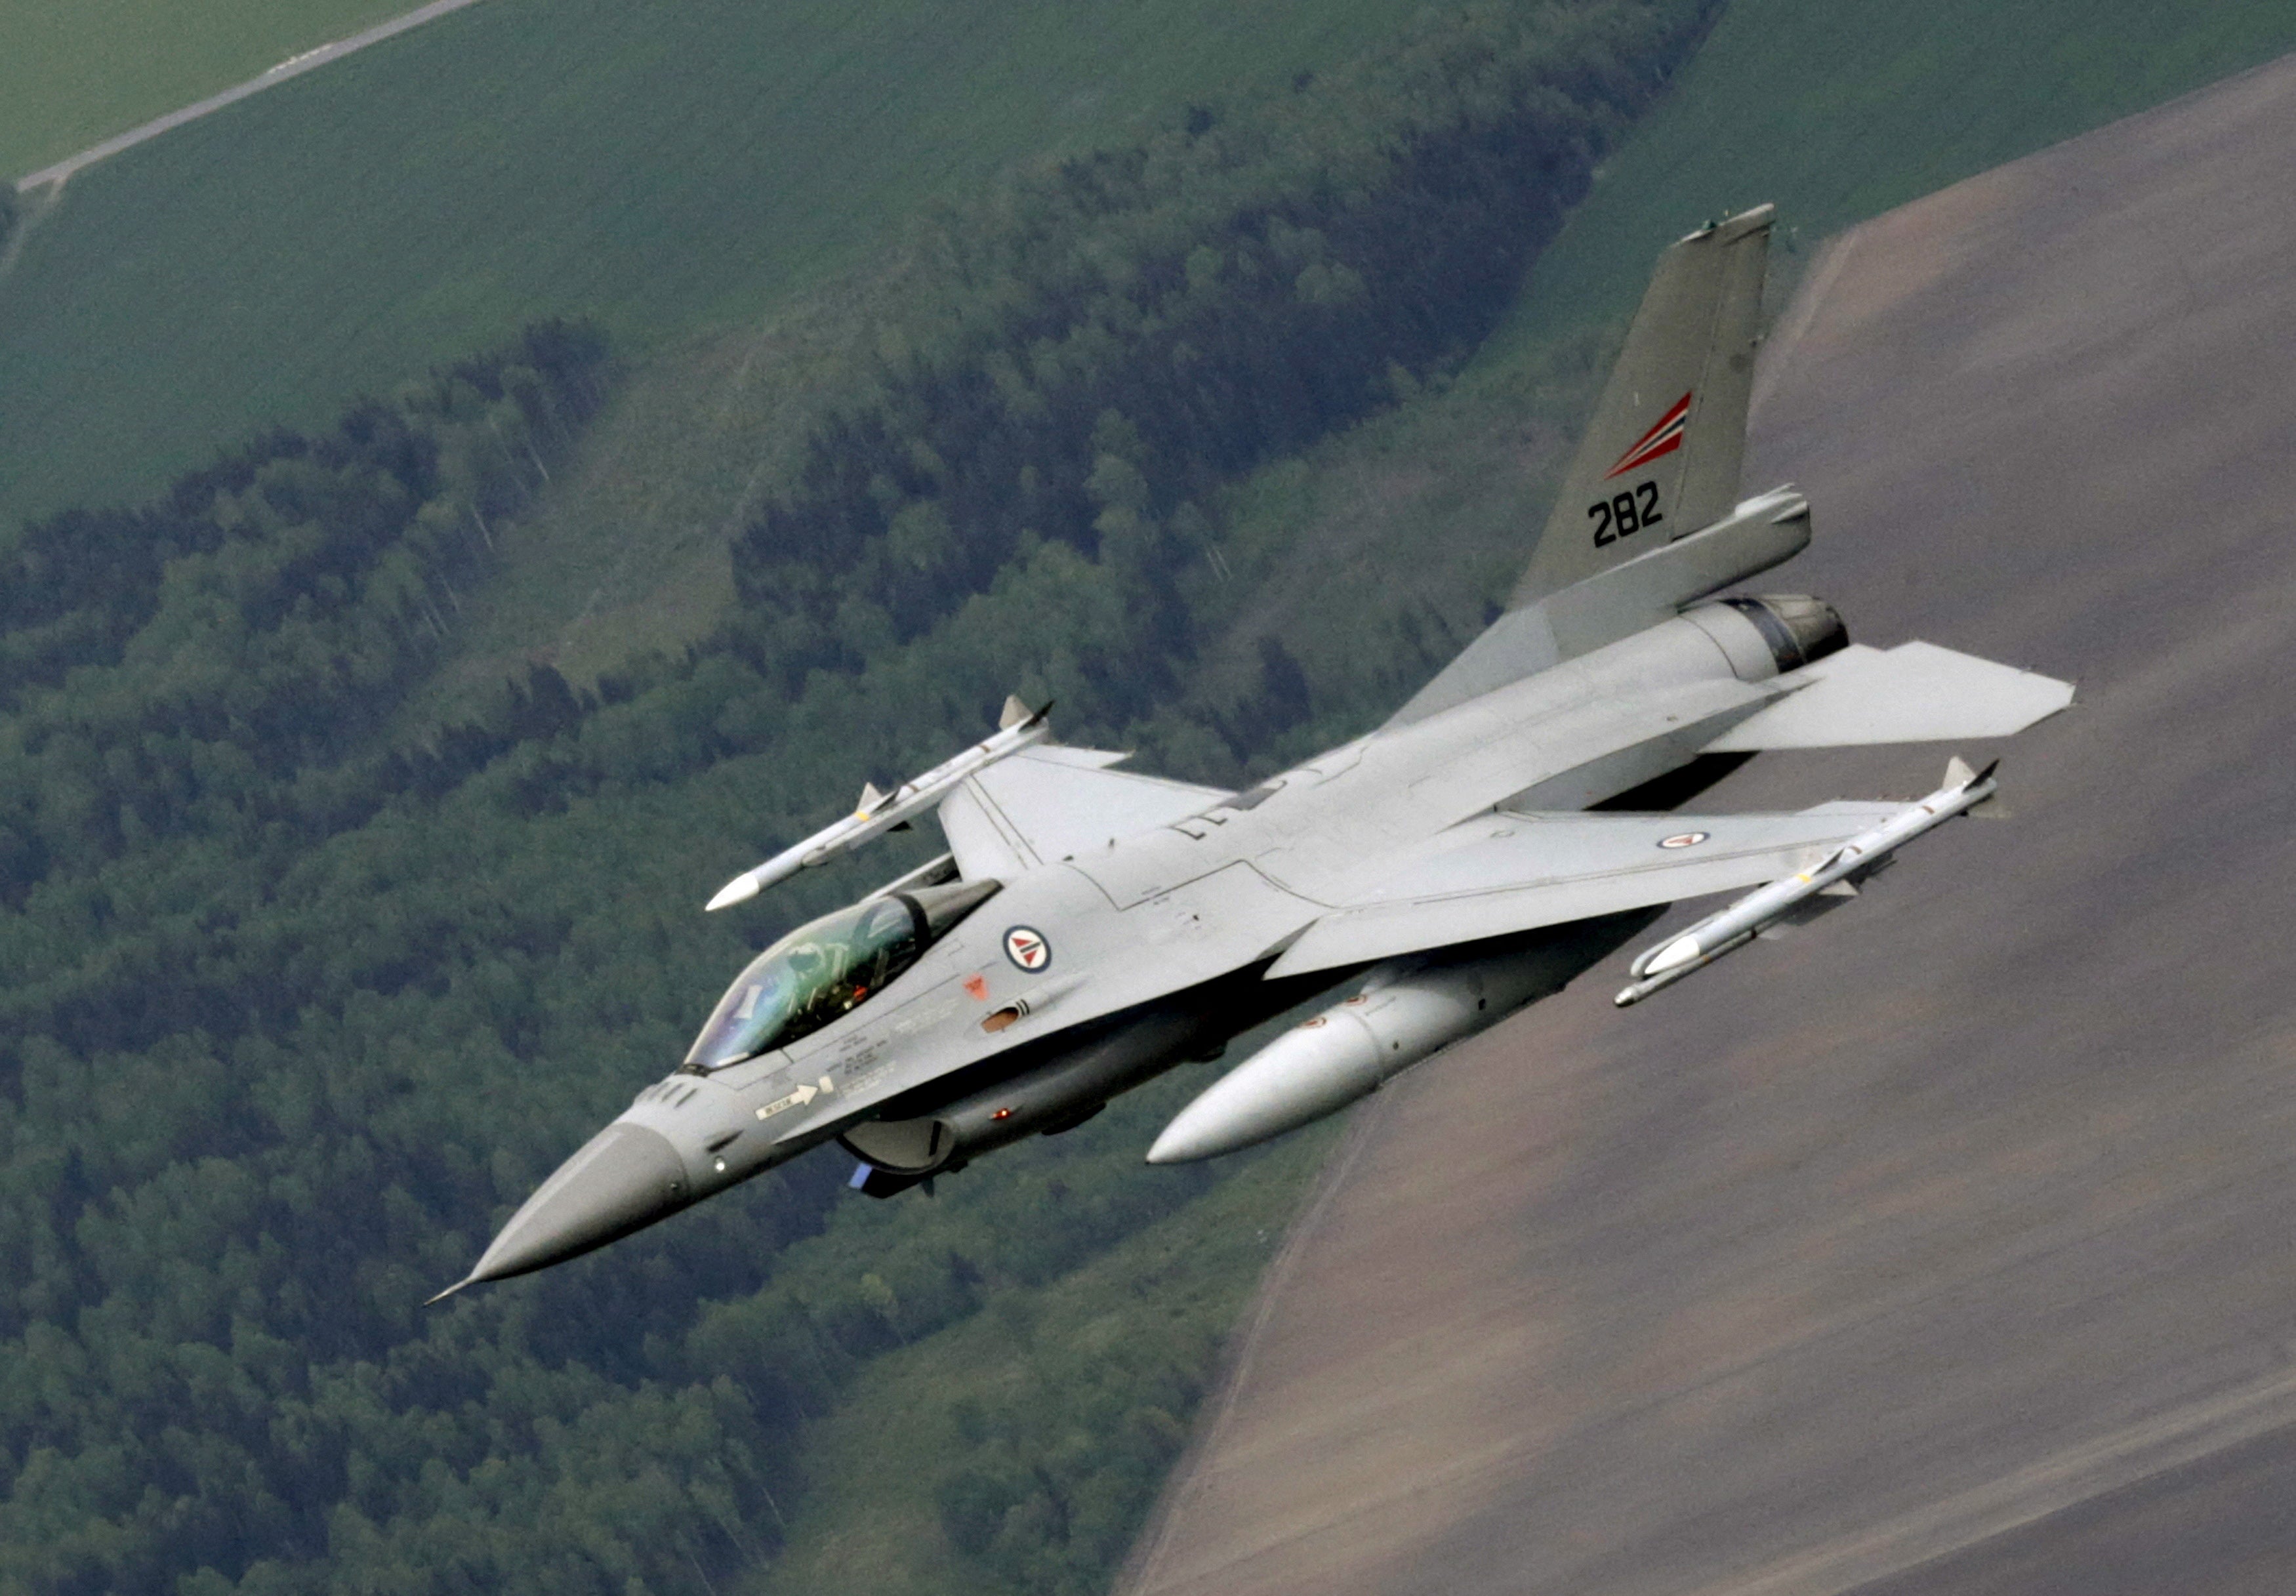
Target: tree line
211 657
1121 334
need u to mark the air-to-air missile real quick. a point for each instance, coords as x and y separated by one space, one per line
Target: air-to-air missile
878 813
1816 889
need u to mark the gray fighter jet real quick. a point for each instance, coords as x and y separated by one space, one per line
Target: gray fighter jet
1088 929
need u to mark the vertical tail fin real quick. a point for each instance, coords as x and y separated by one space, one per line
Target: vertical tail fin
1661 458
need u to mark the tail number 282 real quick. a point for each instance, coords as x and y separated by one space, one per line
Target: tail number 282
1626 514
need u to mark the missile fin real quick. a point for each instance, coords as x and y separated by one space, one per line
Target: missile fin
1990 807
1016 713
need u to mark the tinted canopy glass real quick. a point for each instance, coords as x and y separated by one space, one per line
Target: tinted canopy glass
816 975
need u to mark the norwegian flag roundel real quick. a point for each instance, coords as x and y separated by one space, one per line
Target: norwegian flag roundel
1028 948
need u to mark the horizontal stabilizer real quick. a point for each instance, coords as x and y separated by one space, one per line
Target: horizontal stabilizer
1503 872
1050 802
1916 692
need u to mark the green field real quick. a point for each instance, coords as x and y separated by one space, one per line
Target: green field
72 76
1841 110
661 166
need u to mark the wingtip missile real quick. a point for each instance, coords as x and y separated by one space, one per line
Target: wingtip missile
882 812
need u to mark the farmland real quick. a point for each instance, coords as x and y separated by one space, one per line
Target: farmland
1839 111
1834 112
349 992
75 74
661 167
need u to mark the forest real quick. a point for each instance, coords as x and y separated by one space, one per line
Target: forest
303 994
1127 333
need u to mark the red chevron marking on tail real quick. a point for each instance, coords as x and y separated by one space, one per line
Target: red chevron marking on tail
1664 437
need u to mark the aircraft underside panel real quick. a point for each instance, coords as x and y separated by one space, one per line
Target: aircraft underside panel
1516 872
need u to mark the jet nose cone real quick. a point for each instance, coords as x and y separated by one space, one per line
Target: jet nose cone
623 1179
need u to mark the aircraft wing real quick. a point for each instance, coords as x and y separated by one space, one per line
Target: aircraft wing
1506 872
1046 803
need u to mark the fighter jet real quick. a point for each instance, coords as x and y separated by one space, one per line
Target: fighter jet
1088 929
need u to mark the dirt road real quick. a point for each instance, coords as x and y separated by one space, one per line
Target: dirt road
1952 1244
56 176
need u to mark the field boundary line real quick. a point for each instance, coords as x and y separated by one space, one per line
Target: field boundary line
56 176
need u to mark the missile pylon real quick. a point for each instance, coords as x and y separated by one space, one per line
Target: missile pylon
880 812
1728 930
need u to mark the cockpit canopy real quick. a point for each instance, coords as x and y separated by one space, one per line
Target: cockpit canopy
823 970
